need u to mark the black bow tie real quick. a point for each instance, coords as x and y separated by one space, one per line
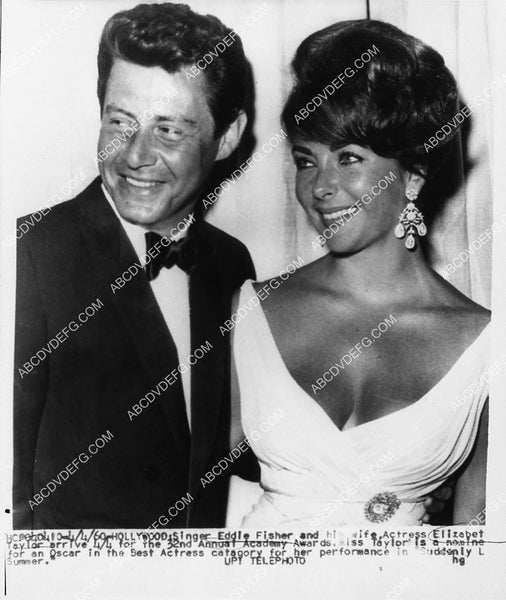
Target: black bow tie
185 253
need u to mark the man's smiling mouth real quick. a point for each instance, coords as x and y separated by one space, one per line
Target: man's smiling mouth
142 183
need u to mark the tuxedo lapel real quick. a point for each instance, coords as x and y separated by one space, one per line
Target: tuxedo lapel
209 373
112 255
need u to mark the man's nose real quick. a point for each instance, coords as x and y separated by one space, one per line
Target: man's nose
326 184
138 151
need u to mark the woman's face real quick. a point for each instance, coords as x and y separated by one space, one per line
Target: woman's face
352 196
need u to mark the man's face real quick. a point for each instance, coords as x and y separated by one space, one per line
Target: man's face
155 168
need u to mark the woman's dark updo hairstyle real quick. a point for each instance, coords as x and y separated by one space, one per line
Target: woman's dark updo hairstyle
393 104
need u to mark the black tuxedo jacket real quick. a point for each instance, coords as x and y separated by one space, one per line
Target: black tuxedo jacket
86 385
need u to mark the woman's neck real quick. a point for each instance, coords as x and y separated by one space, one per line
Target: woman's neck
378 276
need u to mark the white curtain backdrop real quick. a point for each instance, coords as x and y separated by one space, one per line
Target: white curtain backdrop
461 32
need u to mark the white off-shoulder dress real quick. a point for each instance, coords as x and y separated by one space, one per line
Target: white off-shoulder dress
315 475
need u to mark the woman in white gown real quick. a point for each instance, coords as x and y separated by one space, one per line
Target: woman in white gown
373 360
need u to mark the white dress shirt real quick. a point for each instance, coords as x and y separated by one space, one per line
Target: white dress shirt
171 290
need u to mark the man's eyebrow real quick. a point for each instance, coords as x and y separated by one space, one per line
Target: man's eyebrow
159 118
301 149
114 108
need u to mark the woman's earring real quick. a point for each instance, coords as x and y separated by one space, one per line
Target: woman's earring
410 221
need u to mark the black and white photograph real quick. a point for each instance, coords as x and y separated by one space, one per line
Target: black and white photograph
252 299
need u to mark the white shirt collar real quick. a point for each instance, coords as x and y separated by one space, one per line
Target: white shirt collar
136 233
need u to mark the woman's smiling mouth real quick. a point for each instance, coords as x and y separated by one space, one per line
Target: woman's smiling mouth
339 214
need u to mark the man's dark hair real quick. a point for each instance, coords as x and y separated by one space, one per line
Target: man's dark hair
393 105
172 36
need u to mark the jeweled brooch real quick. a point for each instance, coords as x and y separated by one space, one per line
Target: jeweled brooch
381 507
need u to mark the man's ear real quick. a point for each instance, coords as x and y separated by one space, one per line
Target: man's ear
232 136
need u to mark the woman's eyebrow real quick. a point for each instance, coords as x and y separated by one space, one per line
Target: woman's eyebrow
338 146
301 149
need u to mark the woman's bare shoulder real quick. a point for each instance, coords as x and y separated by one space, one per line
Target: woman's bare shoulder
296 277
468 317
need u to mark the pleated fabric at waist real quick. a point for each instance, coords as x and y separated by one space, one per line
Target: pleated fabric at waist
317 512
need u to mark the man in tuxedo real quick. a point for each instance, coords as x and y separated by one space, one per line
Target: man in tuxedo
122 395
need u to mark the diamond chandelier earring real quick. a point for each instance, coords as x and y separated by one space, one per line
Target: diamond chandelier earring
410 221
